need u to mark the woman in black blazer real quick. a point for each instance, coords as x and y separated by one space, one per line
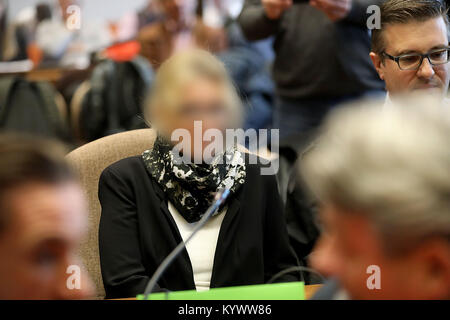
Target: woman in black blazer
150 202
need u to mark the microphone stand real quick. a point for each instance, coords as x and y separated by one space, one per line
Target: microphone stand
220 198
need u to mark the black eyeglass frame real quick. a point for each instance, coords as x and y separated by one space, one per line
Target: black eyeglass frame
423 56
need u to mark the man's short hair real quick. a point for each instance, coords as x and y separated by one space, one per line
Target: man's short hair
26 160
405 11
391 165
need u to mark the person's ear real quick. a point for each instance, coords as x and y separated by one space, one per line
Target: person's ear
378 64
434 258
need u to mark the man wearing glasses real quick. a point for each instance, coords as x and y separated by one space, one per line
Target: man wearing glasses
410 51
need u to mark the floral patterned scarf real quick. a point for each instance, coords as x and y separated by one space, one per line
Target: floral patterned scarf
191 187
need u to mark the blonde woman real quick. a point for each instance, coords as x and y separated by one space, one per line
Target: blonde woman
150 203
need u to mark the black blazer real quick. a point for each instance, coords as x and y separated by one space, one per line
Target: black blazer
137 232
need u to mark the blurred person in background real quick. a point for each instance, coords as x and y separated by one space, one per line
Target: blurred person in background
249 66
155 199
169 26
180 24
382 177
56 33
26 33
247 62
69 39
321 60
411 50
409 29
156 43
179 19
321 56
43 218
18 33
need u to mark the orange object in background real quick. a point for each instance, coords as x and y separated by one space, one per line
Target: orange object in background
113 30
35 54
124 51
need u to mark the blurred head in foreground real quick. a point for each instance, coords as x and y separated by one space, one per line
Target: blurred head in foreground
409 30
42 220
382 177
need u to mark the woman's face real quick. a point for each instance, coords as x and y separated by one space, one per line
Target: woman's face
202 107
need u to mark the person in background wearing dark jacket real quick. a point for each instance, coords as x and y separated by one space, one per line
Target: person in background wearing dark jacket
151 203
322 56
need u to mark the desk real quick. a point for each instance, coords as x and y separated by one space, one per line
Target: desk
310 290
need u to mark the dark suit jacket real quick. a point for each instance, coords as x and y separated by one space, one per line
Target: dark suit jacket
137 232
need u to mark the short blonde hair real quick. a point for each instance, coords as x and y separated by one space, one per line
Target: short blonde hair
185 67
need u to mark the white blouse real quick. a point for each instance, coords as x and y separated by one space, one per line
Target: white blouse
202 247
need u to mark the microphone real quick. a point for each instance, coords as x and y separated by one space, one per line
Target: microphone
220 198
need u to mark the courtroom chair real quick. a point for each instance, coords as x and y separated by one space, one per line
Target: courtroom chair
89 161
62 107
75 110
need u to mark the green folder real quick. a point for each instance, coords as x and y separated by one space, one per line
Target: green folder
276 291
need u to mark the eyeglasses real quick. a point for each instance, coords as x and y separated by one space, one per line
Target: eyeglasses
413 61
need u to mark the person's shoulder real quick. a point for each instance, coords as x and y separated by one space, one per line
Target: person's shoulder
127 167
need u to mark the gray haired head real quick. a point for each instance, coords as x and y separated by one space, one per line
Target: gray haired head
390 164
